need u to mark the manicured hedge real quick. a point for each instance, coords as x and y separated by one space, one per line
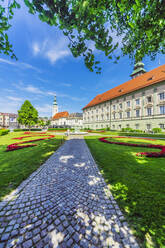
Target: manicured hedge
26 129
58 129
4 131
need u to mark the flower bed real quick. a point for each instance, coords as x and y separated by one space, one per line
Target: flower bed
147 154
16 146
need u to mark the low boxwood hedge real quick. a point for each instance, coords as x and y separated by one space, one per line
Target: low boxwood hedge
26 129
4 131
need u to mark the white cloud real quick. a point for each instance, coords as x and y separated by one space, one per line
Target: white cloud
33 89
44 110
51 50
20 65
9 106
66 85
35 48
17 99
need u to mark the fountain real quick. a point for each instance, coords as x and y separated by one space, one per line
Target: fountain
75 132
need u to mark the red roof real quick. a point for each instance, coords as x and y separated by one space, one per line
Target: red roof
59 115
149 78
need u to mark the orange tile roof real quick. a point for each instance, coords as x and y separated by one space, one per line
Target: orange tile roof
149 78
59 115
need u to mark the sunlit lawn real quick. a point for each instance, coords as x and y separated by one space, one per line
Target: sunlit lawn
138 185
16 166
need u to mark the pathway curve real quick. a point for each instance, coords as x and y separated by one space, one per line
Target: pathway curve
65 203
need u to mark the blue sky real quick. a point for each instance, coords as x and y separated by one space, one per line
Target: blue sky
46 67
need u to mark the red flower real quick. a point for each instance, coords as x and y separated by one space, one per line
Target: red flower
147 154
16 146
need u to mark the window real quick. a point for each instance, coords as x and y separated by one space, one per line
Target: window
120 114
149 111
128 104
120 105
162 96
113 127
148 126
107 116
137 112
127 125
11 119
114 116
137 101
162 126
137 126
128 114
114 107
162 110
149 99
119 126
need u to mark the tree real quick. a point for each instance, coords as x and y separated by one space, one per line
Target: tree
27 115
139 24
48 123
41 123
6 13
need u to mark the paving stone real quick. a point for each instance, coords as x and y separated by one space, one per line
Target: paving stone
27 244
5 236
69 242
65 203
36 238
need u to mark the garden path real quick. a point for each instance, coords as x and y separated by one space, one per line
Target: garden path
65 203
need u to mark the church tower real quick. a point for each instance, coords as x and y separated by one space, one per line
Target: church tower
55 107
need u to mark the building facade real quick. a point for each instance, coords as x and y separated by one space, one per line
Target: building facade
139 103
64 119
8 120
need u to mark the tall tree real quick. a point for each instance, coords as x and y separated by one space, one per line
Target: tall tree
27 115
140 24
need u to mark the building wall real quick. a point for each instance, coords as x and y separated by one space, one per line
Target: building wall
143 107
8 120
72 122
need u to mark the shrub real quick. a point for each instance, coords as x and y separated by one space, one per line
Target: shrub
26 129
58 129
157 130
4 131
127 129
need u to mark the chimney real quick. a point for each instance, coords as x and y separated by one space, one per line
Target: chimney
138 70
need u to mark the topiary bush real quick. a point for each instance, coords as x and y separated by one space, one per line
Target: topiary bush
157 130
4 131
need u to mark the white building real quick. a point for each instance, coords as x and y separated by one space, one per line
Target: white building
64 119
8 120
138 103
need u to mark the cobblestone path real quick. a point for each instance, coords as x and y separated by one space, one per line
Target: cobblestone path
65 203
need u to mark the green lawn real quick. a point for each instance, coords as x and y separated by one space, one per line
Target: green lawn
16 166
138 185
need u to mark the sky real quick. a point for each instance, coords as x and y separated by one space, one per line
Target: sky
46 67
